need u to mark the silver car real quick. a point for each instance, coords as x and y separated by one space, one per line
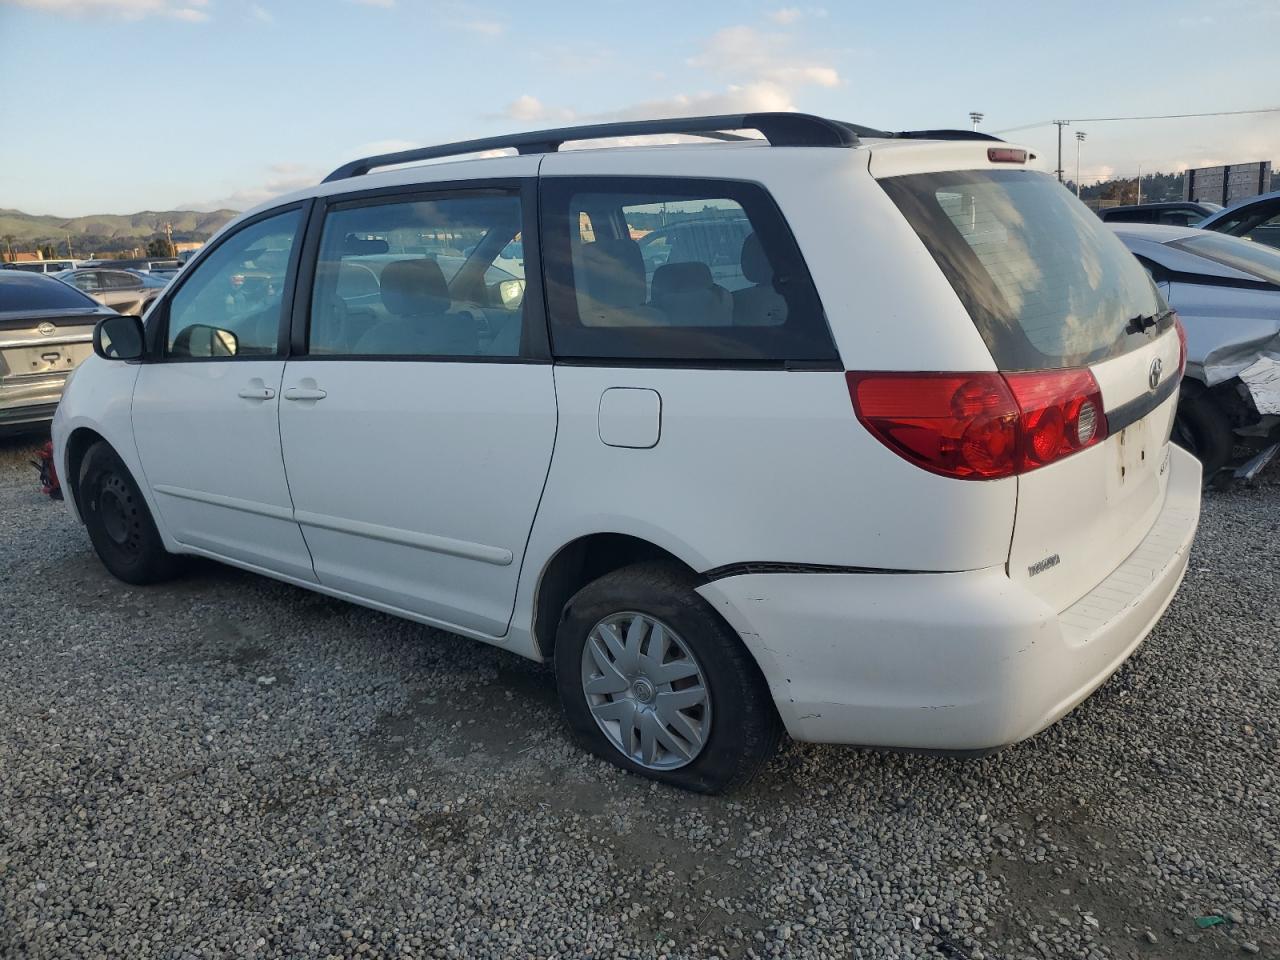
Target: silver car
1227 292
124 291
46 329
1257 219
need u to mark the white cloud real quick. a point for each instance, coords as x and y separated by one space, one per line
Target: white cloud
191 11
529 109
745 53
786 15
385 4
486 28
261 14
762 72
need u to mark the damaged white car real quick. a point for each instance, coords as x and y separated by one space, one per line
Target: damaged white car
1227 292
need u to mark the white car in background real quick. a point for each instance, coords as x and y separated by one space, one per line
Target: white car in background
895 474
1227 292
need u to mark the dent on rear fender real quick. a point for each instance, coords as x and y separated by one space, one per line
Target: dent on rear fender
1230 355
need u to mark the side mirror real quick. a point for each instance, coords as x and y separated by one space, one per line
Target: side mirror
511 293
119 338
202 340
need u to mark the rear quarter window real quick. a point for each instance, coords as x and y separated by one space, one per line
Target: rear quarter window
681 270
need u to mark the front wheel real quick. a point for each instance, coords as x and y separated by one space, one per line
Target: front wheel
118 520
653 680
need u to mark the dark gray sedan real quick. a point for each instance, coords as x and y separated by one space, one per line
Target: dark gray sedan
46 329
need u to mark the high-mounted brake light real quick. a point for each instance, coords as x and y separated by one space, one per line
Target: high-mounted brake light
981 426
1006 155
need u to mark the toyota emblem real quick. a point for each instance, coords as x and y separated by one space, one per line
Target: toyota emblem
47 329
1153 378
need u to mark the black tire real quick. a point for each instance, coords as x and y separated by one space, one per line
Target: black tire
118 520
744 726
1203 429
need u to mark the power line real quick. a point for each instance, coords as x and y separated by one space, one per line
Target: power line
1160 116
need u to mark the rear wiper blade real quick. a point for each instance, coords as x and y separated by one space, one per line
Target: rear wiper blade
1142 323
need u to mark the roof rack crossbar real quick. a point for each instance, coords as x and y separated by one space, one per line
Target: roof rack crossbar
780 129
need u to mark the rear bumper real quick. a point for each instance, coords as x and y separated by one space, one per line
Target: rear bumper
953 661
29 401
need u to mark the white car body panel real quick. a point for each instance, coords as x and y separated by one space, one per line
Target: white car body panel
442 532
212 459
441 491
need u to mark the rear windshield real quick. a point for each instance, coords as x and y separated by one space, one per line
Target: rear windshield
1046 283
1256 258
25 291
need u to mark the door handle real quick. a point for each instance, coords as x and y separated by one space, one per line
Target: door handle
304 393
256 390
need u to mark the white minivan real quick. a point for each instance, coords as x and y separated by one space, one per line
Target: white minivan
858 435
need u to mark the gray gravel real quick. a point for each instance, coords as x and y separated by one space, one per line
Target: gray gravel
226 766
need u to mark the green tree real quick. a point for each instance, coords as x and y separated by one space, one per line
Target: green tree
158 247
48 251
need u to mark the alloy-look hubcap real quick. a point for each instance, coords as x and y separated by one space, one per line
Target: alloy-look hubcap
646 691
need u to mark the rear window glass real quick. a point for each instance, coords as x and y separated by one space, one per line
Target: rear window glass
25 291
1260 260
676 270
1046 283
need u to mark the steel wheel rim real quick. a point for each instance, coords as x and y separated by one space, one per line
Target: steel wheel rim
646 691
118 513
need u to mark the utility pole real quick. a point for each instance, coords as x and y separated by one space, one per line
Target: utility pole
168 235
1060 124
1139 184
976 117
1079 140
70 255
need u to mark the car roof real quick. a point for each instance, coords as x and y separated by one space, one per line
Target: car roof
1157 232
1158 205
1260 198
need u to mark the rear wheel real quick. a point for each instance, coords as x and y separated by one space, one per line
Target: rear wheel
1202 428
653 680
119 523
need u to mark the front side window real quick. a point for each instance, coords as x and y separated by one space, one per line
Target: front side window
119 280
669 269
440 277
230 304
87 281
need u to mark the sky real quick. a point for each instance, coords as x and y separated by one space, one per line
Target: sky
116 106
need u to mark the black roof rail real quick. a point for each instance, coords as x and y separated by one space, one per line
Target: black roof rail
780 129
944 135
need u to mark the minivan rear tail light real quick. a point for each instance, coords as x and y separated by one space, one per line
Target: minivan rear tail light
1006 155
980 426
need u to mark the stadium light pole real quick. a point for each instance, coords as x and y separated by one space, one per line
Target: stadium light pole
1080 135
976 117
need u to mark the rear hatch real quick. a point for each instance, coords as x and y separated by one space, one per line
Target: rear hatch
46 330
1050 288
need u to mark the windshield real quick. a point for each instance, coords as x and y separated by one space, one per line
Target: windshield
1258 259
1046 282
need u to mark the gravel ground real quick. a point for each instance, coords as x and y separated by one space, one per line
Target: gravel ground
227 766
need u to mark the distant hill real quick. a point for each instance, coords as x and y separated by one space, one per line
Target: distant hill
105 232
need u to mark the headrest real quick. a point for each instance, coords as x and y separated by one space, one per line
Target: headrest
613 272
673 278
414 287
755 265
